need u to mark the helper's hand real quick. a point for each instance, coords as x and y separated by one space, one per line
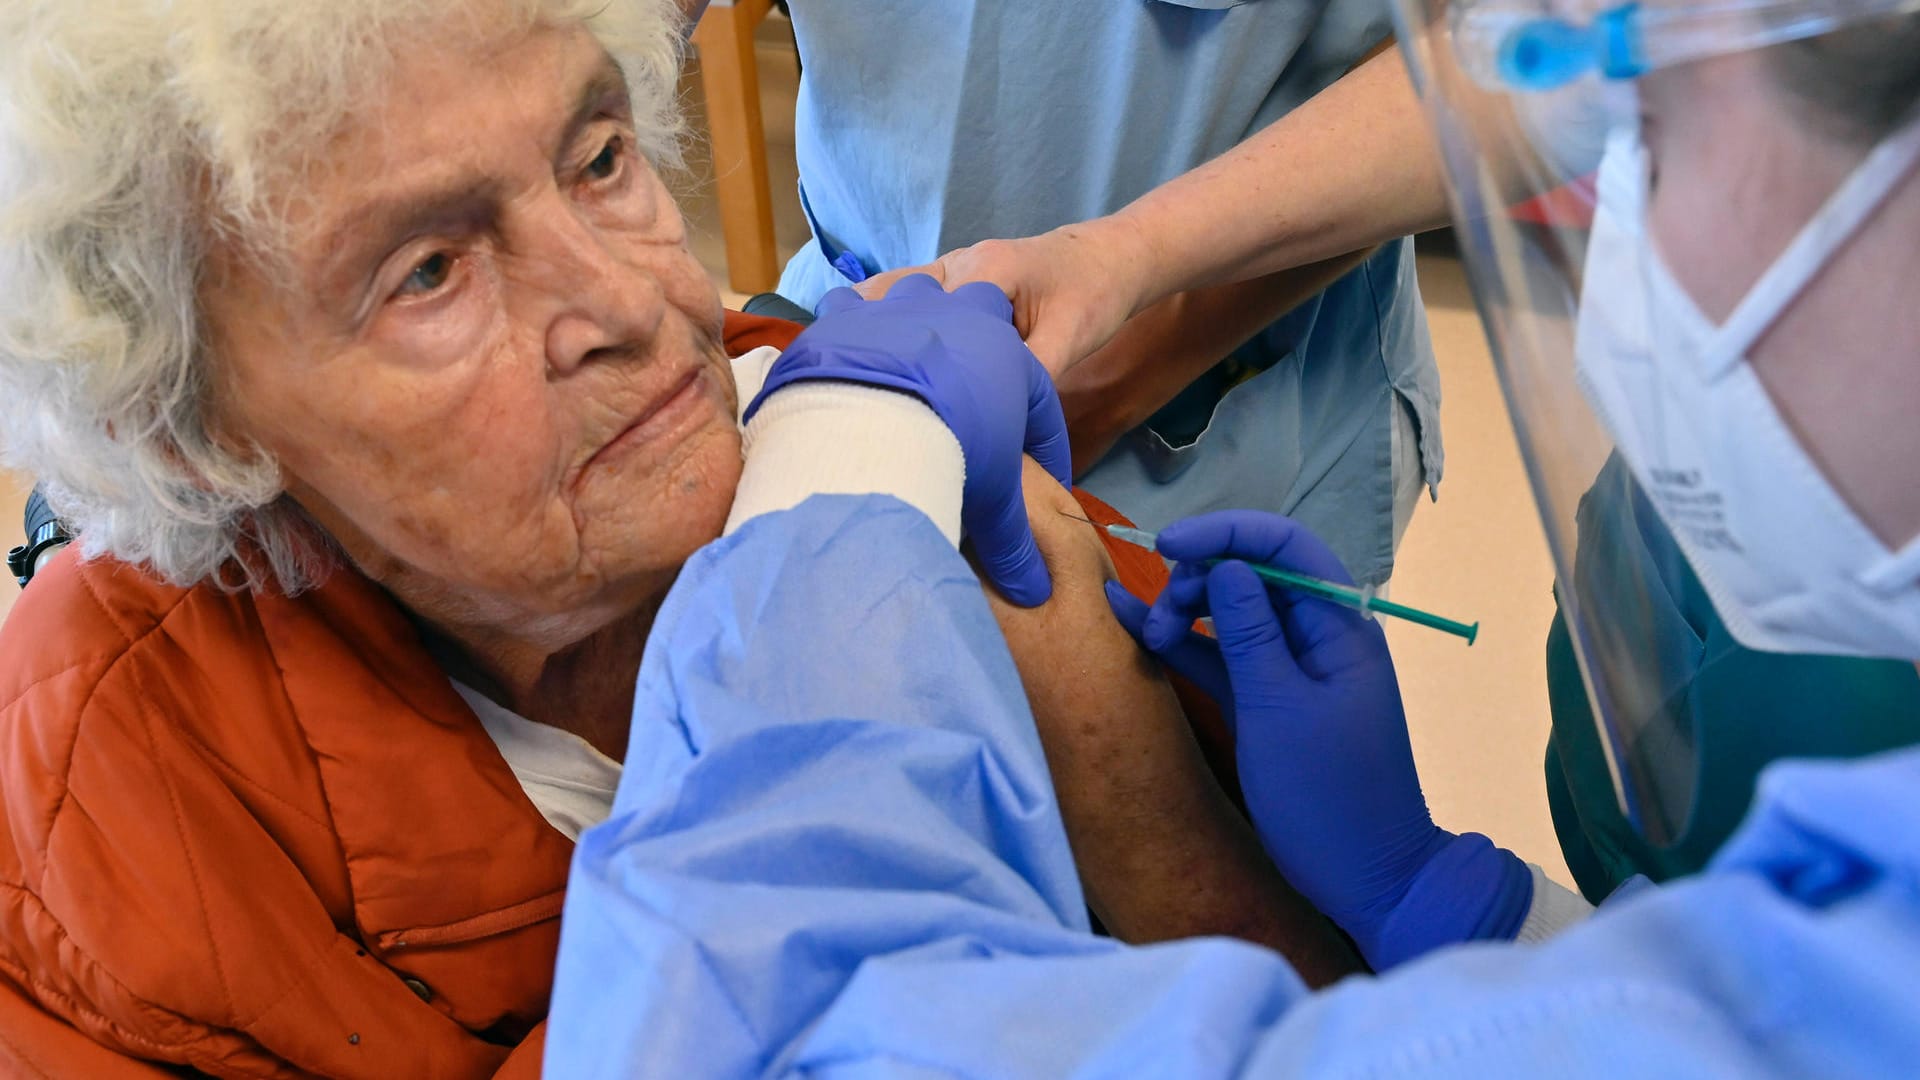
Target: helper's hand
959 353
1071 288
1321 741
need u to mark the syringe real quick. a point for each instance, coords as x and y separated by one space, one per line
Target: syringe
1361 600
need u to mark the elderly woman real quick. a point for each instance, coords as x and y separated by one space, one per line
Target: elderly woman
361 344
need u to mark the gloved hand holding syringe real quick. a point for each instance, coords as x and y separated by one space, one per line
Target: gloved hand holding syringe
1320 739
1360 599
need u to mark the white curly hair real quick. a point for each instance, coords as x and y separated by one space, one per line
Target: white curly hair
132 131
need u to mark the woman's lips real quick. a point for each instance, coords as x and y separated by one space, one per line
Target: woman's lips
683 407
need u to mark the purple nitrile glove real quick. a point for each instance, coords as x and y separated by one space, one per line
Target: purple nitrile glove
1320 738
959 353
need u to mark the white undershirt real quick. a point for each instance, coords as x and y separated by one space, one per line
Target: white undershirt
565 778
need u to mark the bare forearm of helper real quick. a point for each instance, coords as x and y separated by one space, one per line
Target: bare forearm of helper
1161 852
1350 169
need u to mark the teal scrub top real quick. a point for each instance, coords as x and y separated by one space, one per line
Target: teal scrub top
926 126
1736 709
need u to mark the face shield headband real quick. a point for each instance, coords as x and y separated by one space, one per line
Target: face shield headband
1505 46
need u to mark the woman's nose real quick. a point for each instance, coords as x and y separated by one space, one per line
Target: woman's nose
607 299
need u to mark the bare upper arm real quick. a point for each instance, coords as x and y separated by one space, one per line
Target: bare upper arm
1078 563
1161 850
1110 722
1143 812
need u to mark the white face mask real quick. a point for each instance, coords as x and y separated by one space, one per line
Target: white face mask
1788 564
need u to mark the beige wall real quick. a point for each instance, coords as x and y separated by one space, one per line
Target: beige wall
13 499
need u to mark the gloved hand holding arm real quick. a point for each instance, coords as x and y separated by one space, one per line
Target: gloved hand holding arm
1321 741
959 354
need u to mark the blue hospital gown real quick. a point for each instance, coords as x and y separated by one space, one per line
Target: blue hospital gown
927 125
835 852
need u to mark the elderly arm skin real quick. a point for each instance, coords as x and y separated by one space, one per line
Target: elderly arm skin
1161 852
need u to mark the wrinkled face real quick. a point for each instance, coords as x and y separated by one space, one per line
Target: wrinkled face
496 377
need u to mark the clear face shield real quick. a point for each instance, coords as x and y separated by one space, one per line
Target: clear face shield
1699 292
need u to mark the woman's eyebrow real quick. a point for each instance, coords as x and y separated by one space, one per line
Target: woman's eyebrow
607 86
375 226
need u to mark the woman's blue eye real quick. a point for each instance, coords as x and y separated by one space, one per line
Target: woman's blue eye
432 273
608 160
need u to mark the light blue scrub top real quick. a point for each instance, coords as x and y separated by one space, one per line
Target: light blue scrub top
928 125
836 853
